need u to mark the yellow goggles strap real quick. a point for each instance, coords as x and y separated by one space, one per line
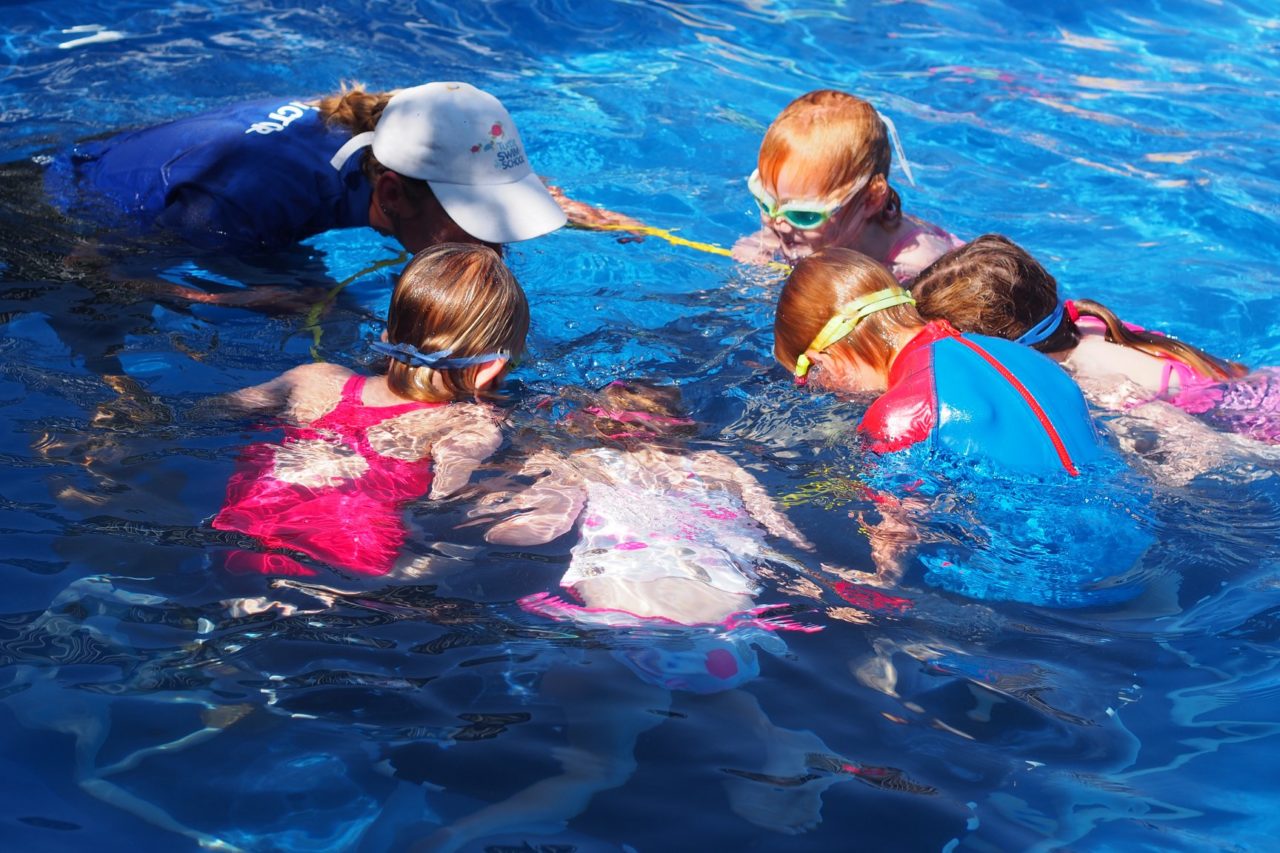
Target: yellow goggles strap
847 319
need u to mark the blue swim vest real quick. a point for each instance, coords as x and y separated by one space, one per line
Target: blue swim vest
985 397
1022 500
244 177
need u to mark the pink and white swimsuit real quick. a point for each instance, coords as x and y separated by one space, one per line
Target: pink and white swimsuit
945 241
1248 406
643 533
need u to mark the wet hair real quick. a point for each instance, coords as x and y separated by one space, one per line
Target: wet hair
458 297
818 288
992 286
837 137
359 111
629 410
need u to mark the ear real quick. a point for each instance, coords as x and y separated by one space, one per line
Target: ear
877 195
822 360
388 194
490 372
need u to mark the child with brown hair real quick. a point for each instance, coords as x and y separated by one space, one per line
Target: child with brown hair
993 286
357 448
823 180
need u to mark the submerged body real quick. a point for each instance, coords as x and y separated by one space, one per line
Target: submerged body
1007 429
247 176
334 489
662 536
325 491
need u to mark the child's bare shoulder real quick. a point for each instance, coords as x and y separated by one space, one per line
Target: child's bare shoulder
314 389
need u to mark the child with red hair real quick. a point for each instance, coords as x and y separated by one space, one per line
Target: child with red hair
823 181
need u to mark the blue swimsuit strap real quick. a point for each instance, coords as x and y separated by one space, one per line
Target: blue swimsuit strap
439 360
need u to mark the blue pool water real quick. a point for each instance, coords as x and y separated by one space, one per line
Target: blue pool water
1131 148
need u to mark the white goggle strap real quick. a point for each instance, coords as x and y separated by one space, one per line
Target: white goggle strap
897 148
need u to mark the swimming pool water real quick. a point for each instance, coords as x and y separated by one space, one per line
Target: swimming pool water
1130 147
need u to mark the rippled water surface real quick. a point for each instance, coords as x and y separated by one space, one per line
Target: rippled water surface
1131 147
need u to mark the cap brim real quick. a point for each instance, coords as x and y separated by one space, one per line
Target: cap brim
501 213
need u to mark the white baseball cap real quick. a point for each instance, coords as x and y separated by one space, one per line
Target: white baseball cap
463 143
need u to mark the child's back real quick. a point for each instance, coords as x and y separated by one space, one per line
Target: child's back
357 449
333 488
664 533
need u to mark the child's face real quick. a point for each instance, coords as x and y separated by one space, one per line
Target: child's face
797 187
840 371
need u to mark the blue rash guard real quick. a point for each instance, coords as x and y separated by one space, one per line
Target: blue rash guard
244 177
975 395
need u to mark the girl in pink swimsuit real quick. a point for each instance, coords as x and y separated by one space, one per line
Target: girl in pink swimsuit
823 180
993 287
356 449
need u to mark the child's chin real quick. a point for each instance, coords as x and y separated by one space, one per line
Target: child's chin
797 251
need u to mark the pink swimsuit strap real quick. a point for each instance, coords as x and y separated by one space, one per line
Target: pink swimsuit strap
914 233
351 419
1187 377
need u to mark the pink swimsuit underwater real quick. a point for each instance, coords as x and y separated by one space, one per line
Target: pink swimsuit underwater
353 523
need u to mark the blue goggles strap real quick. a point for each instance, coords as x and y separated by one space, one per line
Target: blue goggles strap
1046 327
441 360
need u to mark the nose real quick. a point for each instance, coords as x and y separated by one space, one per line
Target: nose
779 224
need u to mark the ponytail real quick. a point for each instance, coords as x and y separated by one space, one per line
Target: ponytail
354 108
358 111
1161 346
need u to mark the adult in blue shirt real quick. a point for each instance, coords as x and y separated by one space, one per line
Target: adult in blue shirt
445 162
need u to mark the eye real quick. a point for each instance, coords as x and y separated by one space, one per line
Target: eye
805 218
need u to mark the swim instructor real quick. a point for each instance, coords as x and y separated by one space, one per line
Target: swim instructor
442 162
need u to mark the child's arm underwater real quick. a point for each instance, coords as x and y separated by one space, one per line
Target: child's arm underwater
470 438
754 497
303 393
544 511
458 437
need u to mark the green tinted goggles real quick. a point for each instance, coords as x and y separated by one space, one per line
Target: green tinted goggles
805 215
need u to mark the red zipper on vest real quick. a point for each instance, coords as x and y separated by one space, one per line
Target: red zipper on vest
1063 456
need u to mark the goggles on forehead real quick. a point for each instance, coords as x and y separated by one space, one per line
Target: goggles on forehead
805 215
846 320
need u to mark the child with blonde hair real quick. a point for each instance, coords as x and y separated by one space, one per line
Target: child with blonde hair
356 449
823 180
